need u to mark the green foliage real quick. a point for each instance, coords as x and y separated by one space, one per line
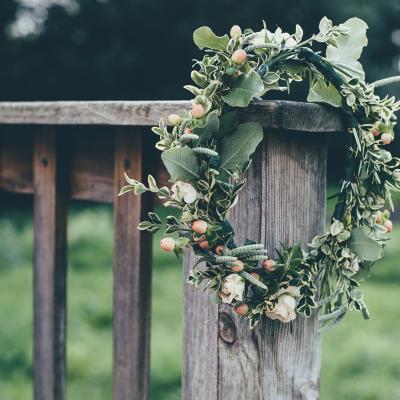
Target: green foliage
348 47
323 92
238 146
361 244
204 37
181 164
244 89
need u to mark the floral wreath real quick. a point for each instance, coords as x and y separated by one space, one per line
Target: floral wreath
208 150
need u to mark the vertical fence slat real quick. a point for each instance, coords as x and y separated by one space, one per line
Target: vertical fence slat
50 267
284 200
132 273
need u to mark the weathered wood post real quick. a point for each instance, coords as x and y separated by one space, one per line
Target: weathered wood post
284 200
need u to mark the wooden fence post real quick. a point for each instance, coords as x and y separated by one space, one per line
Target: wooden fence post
284 200
50 266
132 272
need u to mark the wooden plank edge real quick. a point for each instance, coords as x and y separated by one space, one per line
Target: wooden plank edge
278 114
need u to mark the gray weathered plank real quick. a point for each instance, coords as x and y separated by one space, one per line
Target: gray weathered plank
284 201
283 115
50 213
132 274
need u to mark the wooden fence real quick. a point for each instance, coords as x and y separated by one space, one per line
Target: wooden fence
60 151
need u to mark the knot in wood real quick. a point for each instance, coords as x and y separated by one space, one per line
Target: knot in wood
226 328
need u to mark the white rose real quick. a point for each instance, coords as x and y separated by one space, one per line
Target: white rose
284 310
232 288
183 190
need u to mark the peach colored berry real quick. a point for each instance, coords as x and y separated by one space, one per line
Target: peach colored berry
167 244
239 57
235 31
388 225
386 138
241 309
199 226
238 266
375 131
269 265
188 130
219 250
204 245
174 119
198 111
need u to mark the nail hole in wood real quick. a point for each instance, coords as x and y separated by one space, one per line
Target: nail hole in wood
45 162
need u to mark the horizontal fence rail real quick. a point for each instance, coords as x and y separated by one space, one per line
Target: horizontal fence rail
58 151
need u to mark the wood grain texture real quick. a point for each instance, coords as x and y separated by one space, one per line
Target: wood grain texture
132 274
284 200
50 266
304 117
91 175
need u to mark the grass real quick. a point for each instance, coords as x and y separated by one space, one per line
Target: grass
360 359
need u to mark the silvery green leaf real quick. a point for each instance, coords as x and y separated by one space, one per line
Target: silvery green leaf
325 25
244 89
299 33
240 145
350 99
181 163
126 189
322 92
363 246
349 46
204 37
336 227
271 78
152 184
140 188
343 236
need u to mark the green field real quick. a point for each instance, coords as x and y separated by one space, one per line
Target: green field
361 359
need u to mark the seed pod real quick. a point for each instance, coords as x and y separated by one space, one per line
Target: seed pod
386 138
197 111
199 226
167 244
235 31
239 57
241 309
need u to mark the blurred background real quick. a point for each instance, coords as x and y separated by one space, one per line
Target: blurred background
142 49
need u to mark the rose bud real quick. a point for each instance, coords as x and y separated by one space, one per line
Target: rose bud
235 31
174 119
269 265
255 275
386 138
203 245
198 111
219 250
199 226
378 219
167 244
388 225
239 57
241 309
375 131
237 266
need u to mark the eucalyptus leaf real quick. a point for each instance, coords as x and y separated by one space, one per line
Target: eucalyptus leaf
349 47
240 145
181 163
244 89
321 92
204 37
363 246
